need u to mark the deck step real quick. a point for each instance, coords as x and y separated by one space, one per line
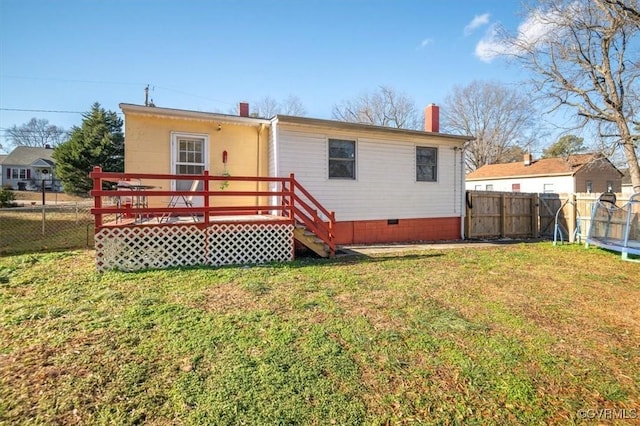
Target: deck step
311 241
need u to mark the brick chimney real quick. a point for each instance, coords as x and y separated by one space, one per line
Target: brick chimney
528 159
432 118
244 109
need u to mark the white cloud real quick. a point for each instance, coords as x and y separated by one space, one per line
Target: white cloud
536 28
476 22
426 42
490 47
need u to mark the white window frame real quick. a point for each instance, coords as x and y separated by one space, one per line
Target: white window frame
547 188
18 173
415 157
355 158
175 137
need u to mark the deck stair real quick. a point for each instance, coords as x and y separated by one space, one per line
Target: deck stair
311 241
314 224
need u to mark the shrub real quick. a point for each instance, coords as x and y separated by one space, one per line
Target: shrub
6 198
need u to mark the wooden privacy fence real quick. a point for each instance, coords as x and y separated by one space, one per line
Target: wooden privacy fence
529 215
574 218
501 215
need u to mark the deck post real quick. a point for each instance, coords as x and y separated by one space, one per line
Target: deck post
332 221
205 188
97 200
292 190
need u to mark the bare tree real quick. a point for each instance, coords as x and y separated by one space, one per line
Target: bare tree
293 106
36 133
386 107
268 107
500 118
584 55
265 107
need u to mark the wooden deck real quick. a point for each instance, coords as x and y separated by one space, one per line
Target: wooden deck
189 220
209 226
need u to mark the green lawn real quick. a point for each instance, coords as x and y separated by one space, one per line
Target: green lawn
519 334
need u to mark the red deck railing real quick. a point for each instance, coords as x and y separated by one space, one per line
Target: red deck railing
286 200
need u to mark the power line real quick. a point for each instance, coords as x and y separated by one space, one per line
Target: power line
70 80
42 110
153 86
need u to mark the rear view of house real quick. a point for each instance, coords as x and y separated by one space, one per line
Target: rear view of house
384 184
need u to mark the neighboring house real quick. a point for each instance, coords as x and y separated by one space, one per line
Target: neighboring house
627 188
28 167
384 184
574 173
2 157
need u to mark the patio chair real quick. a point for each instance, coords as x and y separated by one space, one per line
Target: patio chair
186 199
124 202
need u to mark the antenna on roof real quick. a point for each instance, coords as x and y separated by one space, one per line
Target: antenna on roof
147 102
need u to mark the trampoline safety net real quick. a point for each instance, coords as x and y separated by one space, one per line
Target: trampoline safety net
616 228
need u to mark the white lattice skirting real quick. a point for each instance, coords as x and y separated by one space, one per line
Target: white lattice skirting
156 247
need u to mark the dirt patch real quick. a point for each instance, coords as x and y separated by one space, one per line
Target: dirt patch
375 306
229 298
27 197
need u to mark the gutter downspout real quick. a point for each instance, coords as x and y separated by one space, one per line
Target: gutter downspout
463 192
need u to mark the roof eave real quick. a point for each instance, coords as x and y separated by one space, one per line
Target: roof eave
570 174
193 115
345 125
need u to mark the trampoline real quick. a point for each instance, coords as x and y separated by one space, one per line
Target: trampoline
616 228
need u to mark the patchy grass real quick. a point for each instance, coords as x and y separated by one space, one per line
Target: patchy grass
521 334
60 227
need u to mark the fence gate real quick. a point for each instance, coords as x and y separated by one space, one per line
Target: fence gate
501 215
549 205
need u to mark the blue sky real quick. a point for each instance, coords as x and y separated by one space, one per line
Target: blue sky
209 55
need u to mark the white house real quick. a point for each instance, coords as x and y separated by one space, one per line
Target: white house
383 184
575 173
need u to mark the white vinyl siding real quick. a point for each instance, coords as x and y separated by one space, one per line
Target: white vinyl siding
560 184
386 186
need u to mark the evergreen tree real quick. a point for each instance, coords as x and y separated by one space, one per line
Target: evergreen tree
565 146
99 141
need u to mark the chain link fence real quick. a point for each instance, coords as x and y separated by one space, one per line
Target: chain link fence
46 227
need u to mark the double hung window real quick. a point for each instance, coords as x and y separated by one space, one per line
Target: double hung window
426 164
342 159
